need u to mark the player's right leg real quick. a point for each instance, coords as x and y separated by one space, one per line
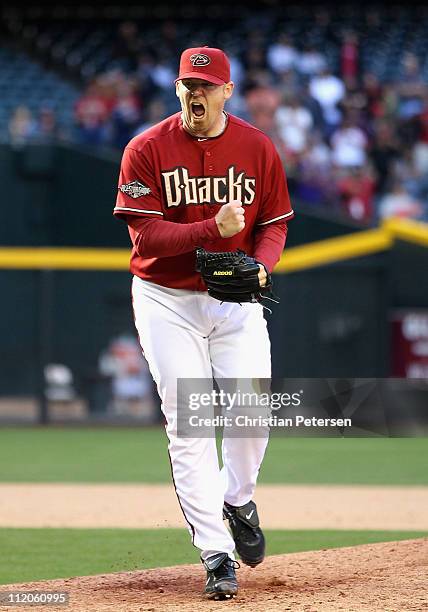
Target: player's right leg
173 338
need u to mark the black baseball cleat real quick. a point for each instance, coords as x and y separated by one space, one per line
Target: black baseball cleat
221 579
245 526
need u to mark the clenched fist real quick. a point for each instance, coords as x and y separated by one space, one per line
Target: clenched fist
230 219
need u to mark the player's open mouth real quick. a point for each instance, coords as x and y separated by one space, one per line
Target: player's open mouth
198 110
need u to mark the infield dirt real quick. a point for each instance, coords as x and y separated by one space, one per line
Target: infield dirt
154 506
387 577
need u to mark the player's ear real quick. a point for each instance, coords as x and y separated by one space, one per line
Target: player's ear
228 90
177 89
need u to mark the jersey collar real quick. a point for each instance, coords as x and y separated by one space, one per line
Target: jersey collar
207 138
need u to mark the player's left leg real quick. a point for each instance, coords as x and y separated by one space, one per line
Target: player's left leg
240 348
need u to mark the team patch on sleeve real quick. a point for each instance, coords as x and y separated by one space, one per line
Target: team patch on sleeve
135 189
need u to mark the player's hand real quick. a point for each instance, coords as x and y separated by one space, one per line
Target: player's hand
262 275
230 219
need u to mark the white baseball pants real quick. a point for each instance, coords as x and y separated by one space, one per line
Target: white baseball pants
188 334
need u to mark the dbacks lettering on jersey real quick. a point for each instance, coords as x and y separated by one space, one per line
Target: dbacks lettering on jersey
180 188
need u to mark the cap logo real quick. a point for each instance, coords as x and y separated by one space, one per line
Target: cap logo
200 59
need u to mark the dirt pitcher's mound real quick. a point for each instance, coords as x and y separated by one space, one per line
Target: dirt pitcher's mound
383 577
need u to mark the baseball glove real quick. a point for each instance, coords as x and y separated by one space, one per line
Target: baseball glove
232 276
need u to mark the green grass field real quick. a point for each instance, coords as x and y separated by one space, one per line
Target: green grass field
125 455
140 455
39 554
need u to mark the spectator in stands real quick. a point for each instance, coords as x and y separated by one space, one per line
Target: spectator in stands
22 126
328 90
423 121
147 88
262 101
411 88
255 58
47 129
282 56
310 61
236 104
349 144
420 159
383 153
162 73
349 58
321 16
356 188
131 387
253 53
169 35
389 100
294 123
126 47
354 105
313 106
237 71
375 104
108 84
314 181
410 171
318 154
125 115
156 112
91 114
288 83
399 203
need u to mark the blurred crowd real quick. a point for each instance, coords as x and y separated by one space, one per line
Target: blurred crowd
350 141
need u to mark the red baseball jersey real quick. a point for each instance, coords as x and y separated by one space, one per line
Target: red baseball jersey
168 174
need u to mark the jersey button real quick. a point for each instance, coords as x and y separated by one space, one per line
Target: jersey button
208 153
210 167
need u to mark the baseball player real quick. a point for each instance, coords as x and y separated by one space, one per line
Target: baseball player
204 178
